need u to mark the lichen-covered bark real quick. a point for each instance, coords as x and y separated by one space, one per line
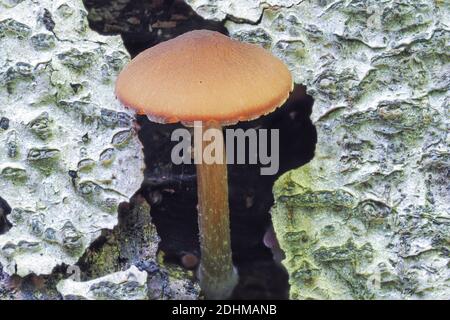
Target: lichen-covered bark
130 284
122 263
134 241
368 217
68 152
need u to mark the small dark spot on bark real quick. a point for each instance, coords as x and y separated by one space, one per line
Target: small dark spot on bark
47 20
75 87
5 209
73 174
4 123
85 138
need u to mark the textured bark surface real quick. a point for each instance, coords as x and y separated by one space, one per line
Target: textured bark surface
144 23
69 155
368 217
68 149
122 263
130 284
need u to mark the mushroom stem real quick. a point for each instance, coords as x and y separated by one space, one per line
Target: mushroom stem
216 272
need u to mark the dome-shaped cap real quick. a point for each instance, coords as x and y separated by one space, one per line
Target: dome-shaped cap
201 76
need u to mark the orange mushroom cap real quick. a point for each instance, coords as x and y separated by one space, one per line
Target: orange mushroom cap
202 76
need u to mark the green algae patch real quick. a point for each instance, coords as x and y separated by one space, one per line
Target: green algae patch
322 233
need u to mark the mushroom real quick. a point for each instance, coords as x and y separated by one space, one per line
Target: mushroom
207 77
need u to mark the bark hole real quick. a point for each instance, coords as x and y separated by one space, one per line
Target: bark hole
172 193
144 23
5 209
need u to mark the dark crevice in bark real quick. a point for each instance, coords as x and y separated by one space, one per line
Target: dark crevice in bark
144 23
172 192
5 209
